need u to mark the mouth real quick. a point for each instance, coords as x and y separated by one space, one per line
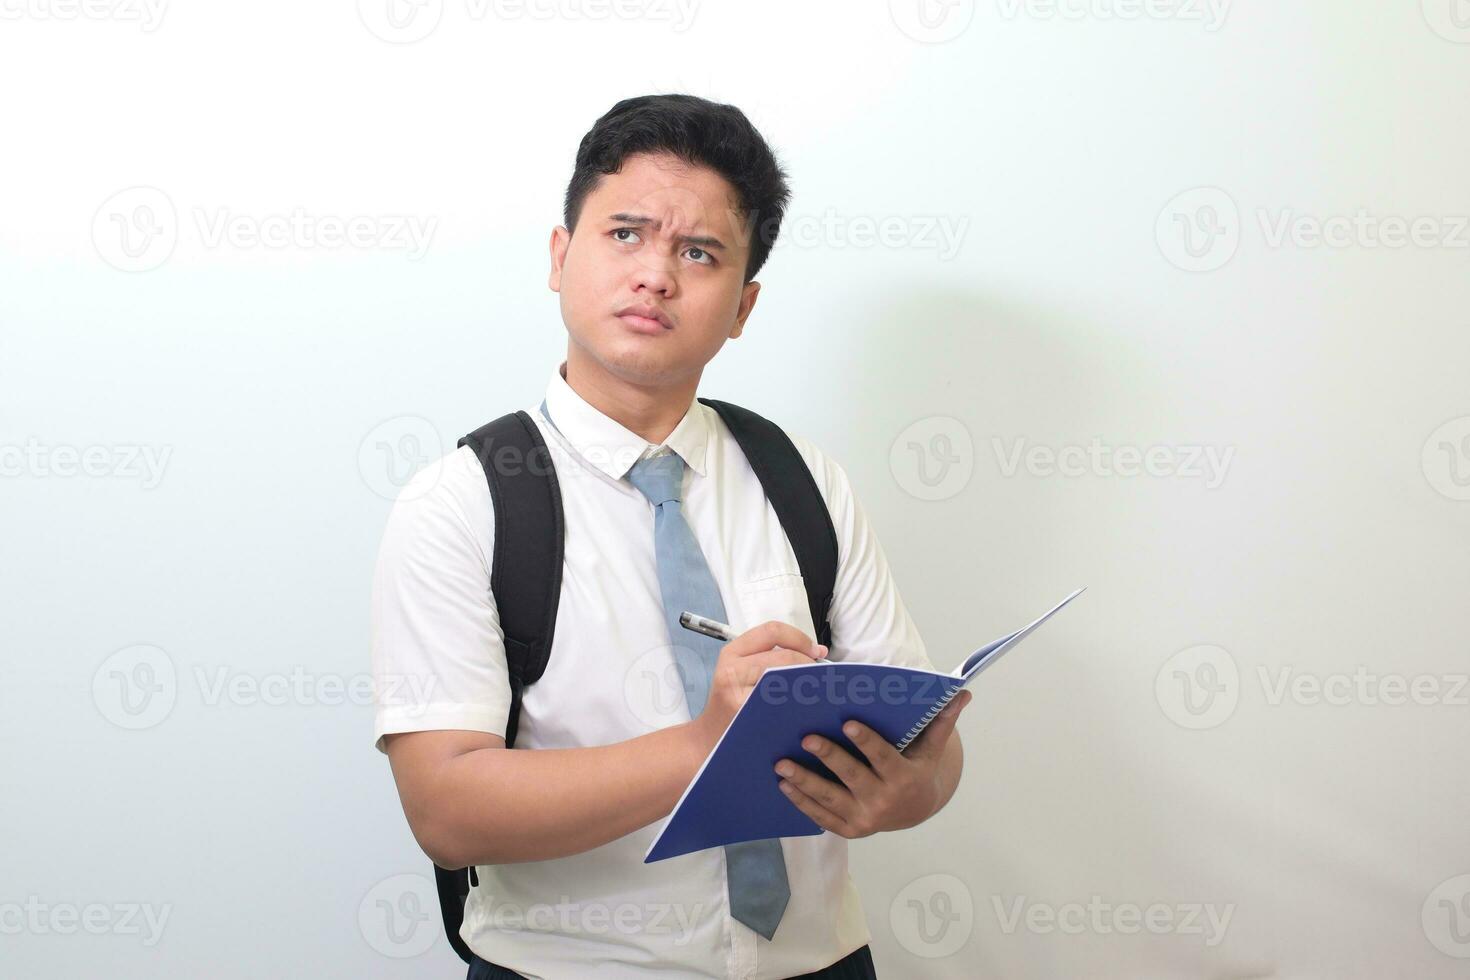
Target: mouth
645 319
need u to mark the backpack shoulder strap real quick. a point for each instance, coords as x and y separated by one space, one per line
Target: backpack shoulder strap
530 534
525 577
796 500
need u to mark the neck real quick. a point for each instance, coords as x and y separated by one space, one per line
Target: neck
652 412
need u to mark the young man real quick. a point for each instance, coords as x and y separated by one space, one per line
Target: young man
671 211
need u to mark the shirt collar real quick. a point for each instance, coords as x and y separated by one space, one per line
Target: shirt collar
607 445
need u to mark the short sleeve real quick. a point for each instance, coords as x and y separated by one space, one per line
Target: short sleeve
438 653
870 622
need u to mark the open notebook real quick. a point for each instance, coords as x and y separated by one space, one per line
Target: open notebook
734 796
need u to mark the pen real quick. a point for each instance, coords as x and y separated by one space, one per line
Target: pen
707 626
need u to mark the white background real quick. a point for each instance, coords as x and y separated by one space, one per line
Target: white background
1119 280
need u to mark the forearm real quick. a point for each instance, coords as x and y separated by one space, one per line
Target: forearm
499 806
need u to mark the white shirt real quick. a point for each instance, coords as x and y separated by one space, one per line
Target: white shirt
612 677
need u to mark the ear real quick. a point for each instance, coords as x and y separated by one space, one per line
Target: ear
747 303
561 240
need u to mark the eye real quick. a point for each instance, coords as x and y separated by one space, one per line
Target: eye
700 255
618 231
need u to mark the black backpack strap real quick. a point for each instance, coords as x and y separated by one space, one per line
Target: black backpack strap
530 533
525 577
796 500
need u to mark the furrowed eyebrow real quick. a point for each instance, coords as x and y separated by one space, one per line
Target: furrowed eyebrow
641 221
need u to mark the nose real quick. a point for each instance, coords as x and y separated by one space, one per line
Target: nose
653 274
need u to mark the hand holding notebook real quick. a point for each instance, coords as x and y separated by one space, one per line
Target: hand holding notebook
734 796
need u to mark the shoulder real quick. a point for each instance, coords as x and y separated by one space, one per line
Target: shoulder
445 506
830 477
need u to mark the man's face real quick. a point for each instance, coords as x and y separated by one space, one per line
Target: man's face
663 236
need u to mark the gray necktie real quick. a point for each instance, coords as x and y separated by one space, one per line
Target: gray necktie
755 870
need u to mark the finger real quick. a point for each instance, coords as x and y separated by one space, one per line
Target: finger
854 775
771 634
749 669
820 815
936 735
874 747
831 796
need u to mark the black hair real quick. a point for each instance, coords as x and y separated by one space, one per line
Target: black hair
701 132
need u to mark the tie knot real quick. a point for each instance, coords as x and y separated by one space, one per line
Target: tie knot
659 478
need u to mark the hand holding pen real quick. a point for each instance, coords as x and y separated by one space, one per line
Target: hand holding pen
741 662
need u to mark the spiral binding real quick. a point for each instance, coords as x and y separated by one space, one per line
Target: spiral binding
939 706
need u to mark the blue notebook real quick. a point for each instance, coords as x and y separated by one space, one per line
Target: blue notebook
734 796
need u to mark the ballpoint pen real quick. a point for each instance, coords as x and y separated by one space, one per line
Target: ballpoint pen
707 626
